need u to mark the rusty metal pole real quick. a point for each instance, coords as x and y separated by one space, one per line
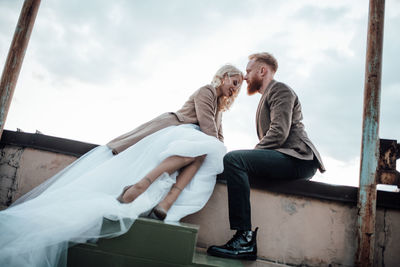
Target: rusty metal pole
370 139
15 57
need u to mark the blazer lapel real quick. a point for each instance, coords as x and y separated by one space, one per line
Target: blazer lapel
260 104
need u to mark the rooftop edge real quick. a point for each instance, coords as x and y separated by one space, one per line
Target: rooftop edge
319 190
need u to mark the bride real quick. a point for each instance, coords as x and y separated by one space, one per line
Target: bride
165 168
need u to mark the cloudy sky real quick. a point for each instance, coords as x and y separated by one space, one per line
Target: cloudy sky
95 69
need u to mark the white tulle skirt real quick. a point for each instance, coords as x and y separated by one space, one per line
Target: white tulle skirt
37 230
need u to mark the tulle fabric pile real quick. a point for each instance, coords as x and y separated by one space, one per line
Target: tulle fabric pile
70 207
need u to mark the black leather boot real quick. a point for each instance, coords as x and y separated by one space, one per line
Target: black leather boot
243 245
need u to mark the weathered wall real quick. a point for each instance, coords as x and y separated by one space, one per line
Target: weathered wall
22 169
292 229
9 163
299 230
387 250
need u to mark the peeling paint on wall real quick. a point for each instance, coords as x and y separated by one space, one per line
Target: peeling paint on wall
9 163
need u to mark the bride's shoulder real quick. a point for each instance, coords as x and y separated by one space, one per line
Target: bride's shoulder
207 89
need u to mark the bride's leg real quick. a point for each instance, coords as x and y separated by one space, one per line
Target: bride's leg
169 165
182 180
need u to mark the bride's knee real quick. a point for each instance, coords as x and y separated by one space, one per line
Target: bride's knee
188 160
200 158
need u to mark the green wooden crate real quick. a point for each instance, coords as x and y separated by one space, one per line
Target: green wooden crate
147 243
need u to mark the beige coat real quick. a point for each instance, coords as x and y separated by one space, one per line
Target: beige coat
200 108
279 125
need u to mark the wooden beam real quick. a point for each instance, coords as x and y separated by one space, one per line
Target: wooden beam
15 57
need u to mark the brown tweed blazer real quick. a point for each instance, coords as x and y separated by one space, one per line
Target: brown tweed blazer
200 108
279 126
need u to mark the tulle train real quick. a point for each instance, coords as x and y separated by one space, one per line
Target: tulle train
70 207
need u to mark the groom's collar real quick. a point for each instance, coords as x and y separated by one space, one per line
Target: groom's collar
269 86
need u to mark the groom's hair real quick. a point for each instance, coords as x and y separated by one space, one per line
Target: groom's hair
266 58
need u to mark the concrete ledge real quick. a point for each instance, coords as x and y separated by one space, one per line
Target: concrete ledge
344 194
46 143
323 191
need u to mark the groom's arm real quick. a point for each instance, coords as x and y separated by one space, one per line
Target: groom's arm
281 101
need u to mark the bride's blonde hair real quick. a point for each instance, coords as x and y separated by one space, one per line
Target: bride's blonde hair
224 102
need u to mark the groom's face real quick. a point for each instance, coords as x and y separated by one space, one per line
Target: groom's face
254 81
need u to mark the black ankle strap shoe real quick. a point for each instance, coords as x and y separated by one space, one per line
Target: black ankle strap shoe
243 245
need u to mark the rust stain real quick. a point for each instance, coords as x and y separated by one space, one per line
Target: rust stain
366 233
370 140
388 154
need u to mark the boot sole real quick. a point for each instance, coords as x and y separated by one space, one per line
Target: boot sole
239 257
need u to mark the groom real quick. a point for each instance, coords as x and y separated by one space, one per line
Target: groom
283 153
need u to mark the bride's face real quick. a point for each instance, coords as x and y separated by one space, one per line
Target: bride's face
230 85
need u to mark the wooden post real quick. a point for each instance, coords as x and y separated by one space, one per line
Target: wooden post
15 57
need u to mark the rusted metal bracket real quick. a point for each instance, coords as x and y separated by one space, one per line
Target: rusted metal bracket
389 152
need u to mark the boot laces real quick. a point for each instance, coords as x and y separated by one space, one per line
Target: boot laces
236 239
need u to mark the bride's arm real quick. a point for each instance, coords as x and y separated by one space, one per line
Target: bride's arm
219 123
204 103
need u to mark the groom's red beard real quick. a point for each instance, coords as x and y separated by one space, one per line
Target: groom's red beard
253 86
